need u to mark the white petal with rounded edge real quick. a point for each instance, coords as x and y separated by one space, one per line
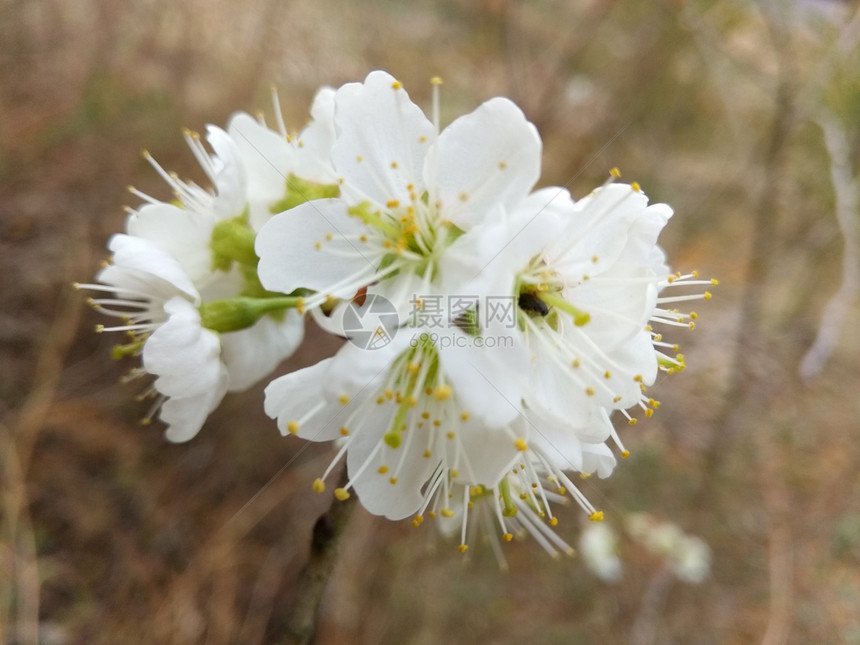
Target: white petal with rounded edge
184 356
251 354
185 416
381 142
184 234
230 179
295 251
375 490
491 156
293 396
488 380
314 143
140 265
268 158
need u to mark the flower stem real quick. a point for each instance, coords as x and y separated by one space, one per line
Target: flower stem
325 541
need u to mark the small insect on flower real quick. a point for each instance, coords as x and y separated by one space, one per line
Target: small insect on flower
530 303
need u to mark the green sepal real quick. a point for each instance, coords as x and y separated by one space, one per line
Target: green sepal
300 191
234 314
233 241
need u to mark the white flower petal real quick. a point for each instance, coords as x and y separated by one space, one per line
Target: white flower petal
382 140
314 143
184 356
295 250
488 379
230 179
185 416
140 265
491 156
297 397
184 234
251 354
268 158
375 490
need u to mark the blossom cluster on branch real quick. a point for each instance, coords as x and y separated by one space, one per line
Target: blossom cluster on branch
493 328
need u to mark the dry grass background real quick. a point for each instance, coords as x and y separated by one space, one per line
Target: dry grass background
111 535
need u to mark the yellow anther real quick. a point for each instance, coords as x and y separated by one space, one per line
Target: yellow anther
436 80
293 427
503 165
589 391
584 475
392 480
649 413
553 521
437 422
616 398
422 139
450 434
714 281
692 325
596 516
392 203
521 444
625 454
427 454
343 398
595 259
447 512
462 548
443 392
389 394
344 431
615 172
396 85
362 238
464 416
633 421
638 378
455 473
463 196
695 274
607 374
636 187
341 493
300 306
382 469
694 315
359 158
394 165
707 295
328 237
319 485
507 537
417 521
575 362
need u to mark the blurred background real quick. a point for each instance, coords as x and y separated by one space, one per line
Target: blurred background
744 116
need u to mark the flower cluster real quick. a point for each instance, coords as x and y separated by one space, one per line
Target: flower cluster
493 328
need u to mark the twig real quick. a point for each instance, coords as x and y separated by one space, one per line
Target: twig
325 541
847 211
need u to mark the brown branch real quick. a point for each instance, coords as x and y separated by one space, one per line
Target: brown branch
325 542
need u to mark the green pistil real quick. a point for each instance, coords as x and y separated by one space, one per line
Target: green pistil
300 191
129 349
580 317
233 314
509 509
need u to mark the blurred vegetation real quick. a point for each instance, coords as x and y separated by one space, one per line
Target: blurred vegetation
110 535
